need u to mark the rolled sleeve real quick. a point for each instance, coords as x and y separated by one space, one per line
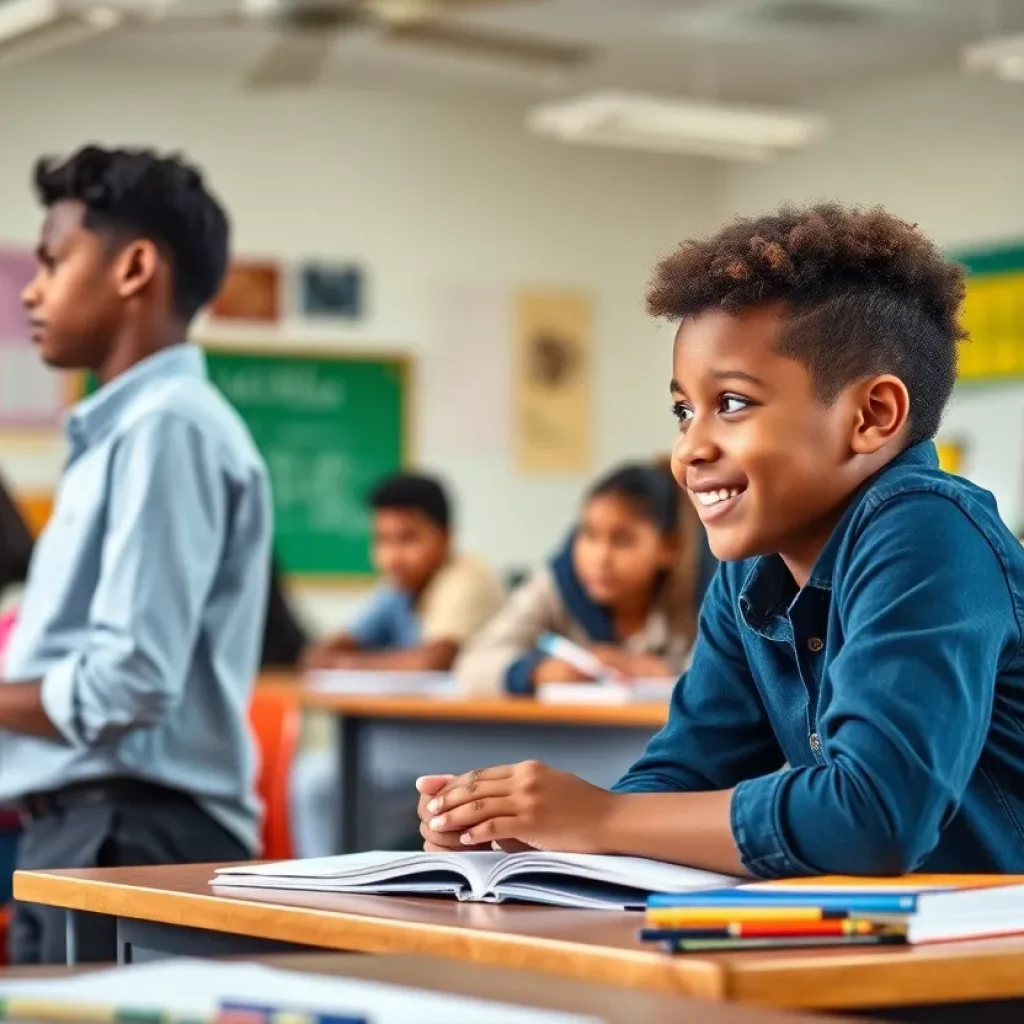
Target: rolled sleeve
167 520
754 816
58 697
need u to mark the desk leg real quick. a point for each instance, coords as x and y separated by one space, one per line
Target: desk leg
71 924
351 784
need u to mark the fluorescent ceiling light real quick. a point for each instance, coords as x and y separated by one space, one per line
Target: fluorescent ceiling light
694 127
1002 56
29 28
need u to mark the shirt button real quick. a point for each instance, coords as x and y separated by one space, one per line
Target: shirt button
815 644
815 743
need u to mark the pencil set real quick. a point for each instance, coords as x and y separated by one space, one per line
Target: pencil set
738 919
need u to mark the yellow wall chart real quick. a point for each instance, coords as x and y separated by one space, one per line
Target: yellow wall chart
993 314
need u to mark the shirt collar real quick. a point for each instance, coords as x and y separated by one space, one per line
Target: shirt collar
769 587
93 417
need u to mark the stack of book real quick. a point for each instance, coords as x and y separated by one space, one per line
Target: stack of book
837 912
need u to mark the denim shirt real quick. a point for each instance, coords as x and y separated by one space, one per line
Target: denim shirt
871 722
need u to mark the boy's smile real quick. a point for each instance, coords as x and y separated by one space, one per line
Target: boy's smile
767 464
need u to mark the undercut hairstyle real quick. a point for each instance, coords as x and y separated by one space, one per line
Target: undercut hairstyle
415 492
135 193
863 293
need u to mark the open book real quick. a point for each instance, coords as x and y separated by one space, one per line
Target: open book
585 881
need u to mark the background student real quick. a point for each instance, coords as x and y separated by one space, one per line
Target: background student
126 683
432 599
627 585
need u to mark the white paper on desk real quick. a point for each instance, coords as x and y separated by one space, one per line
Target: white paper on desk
197 986
382 684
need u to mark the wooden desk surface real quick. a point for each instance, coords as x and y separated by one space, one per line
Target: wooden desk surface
591 946
460 708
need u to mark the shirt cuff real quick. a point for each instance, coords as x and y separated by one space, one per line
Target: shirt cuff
757 828
519 675
58 698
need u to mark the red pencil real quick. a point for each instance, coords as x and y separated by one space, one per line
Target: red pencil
769 929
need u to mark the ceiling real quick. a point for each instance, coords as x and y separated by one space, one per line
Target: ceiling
763 51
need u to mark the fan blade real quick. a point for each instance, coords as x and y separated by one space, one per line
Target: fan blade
501 45
408 12
189 22
296 59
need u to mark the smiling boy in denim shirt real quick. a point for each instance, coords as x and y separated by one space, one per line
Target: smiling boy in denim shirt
856 698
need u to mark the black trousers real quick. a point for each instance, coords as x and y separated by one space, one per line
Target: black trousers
121 832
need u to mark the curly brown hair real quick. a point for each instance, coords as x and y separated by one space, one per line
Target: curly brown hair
865 293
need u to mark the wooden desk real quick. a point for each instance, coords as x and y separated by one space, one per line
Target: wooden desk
355 714
173 910
611 1004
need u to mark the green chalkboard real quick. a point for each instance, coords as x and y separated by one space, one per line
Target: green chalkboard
329 428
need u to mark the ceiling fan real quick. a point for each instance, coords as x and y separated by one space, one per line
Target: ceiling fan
307 30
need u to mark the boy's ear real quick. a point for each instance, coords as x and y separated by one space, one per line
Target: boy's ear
135 266
882 407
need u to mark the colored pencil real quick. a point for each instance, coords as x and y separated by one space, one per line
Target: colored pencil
764 930
867 903
807 941
685 917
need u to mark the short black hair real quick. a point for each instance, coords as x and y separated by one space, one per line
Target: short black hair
864 292
648 489
140 194
414 491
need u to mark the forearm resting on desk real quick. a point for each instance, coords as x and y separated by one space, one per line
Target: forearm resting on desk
683 828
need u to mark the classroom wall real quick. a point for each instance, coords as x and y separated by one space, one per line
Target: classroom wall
943 150
429 193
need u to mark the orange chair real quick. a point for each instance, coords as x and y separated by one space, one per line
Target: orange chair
274 715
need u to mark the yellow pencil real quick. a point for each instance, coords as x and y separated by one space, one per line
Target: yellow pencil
682 917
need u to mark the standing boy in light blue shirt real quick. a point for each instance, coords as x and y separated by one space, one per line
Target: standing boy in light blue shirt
126 687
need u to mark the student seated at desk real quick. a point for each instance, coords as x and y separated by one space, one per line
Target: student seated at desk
867 625
125 691
432 598
624 585
431 601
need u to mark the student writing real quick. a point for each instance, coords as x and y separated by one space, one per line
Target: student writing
124 702
624 585
855 702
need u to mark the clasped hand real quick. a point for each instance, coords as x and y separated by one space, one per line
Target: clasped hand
526 804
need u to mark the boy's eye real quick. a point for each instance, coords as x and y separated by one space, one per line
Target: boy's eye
733 403
682 412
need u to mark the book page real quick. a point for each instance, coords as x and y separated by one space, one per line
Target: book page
650 875
363 869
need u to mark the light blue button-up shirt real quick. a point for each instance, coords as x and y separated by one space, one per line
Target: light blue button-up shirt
145 604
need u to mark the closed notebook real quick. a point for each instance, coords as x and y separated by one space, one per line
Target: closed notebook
583 881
